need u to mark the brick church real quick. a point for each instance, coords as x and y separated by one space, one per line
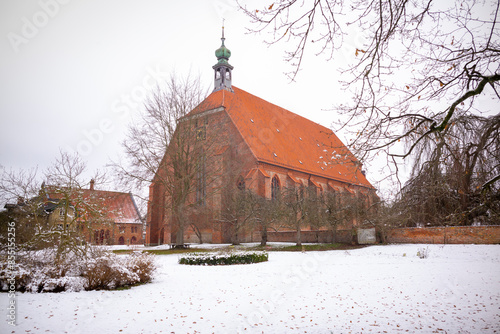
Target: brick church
254 145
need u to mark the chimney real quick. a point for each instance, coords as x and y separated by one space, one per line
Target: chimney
92 182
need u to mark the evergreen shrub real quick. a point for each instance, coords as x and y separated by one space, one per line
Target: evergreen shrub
227 258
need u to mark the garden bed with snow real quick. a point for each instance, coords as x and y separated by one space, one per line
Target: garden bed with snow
223 258
377 289
96 268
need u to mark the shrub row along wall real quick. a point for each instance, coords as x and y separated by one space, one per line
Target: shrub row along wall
446 235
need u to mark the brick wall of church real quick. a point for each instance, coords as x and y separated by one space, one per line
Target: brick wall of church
230 159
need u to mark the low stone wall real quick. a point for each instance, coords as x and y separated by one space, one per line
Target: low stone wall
446 235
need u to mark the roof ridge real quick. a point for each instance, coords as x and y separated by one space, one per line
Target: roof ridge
284 109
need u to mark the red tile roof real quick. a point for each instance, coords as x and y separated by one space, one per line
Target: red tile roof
280 137
116 207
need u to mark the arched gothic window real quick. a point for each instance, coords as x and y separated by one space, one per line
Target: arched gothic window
275 187
201 181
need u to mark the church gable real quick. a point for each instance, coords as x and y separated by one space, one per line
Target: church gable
246 143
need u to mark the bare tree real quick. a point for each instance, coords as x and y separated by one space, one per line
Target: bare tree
199 218
456 185
417 69
337 212
17 189
172 152
269 217
241 211
50 213
294 201
149 136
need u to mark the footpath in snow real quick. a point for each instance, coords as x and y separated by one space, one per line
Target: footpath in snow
378 289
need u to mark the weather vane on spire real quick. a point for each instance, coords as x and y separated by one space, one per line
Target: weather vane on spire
223 20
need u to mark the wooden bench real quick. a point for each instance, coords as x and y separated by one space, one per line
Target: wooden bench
174 245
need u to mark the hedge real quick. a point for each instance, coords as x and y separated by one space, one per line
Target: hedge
217 259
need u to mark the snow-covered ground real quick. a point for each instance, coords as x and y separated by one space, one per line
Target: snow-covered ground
378 289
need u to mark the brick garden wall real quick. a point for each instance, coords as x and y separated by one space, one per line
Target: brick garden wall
446 235
343 236
428 235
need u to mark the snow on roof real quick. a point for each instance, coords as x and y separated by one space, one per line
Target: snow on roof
117 207
297 144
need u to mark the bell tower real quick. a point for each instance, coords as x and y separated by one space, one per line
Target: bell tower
223 71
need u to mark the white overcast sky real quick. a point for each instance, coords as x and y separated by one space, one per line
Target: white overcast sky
68 66
72 71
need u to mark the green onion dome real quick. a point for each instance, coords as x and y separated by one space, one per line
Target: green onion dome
223 53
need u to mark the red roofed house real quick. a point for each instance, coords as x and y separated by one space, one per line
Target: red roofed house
103 217
263 147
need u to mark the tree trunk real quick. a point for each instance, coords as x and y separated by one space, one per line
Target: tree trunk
354 240
198 233
235 238
263 240
299 237
179 237
334 234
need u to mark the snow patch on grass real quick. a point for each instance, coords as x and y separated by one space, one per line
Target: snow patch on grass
367 290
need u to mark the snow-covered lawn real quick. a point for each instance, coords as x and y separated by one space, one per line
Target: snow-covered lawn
378 289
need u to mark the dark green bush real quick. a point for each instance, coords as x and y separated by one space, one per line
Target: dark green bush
223 258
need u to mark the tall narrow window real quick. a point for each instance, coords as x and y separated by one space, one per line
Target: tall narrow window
201 181
275 187
301 192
